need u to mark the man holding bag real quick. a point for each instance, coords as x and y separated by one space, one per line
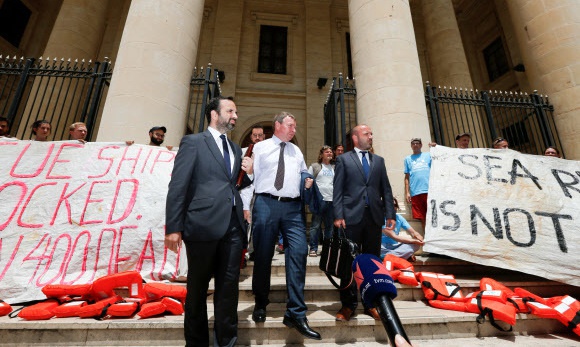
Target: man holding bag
362 199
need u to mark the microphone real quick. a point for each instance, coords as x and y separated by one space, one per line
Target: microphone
377 289
242 172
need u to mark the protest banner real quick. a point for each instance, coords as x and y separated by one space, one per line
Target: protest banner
506 209
74 212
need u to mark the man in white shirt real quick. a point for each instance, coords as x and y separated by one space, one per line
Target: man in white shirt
278 168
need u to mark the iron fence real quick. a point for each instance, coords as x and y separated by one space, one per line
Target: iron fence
340 112
59 91
525 121
204 85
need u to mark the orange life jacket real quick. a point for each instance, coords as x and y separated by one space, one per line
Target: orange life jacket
493 309
449 305
69 309
58 290
40 311
5 308
99 308
123 309
172 305
568 310
440 287
514 299
400 270
151 309
526 294
103 287
534 304
496 295
157 290
541 310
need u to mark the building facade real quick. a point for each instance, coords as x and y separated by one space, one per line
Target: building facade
273 52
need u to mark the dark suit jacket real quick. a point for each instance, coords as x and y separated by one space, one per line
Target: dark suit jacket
350 189
199 200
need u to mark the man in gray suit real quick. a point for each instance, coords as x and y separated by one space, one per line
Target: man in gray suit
362 199
204 209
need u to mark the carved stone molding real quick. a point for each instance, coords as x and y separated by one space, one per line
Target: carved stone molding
274 17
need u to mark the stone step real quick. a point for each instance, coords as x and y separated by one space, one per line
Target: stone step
430 263
421 322
555 340
319 288
468 275
426 326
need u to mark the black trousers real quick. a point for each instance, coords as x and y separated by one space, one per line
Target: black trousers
367 235
220 259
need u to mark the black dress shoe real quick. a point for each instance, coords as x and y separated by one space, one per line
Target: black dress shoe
259 315
301 324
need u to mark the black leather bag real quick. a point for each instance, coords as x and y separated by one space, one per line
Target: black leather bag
336 258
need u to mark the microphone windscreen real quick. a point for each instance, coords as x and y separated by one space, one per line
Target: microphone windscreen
372 279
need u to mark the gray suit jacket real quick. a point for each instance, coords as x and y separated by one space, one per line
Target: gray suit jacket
199 200
351 189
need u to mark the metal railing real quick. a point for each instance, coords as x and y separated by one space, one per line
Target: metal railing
59 91
205 85
525 121
340 112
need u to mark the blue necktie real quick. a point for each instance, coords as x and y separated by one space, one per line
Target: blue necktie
366 171
365 165
227 155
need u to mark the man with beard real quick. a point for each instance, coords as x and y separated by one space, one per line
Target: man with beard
362 200
157 135
204 209
4 127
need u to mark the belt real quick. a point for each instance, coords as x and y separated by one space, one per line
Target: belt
279 198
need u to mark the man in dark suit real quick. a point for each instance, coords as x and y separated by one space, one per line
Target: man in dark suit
362 200
205 209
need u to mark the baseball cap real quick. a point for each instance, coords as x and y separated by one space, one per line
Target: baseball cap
158 128
416 139
461 135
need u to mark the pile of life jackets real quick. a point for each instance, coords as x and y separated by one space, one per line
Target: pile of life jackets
494 300
100 301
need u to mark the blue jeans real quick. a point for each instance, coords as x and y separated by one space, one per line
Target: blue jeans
327 217
270 216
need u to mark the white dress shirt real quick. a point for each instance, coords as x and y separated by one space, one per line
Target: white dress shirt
266 155
367 155
216 136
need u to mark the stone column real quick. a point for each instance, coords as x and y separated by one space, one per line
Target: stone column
78 30
390 96
77 34
318 65
447 61
150 83
448 67
549 40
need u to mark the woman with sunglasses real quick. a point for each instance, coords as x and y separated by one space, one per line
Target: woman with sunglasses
501 143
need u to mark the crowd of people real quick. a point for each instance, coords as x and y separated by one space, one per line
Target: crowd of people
41 130
210 211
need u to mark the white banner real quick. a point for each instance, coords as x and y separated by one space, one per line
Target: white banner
73 212
506 209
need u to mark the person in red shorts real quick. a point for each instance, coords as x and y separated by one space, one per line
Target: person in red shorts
417 169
